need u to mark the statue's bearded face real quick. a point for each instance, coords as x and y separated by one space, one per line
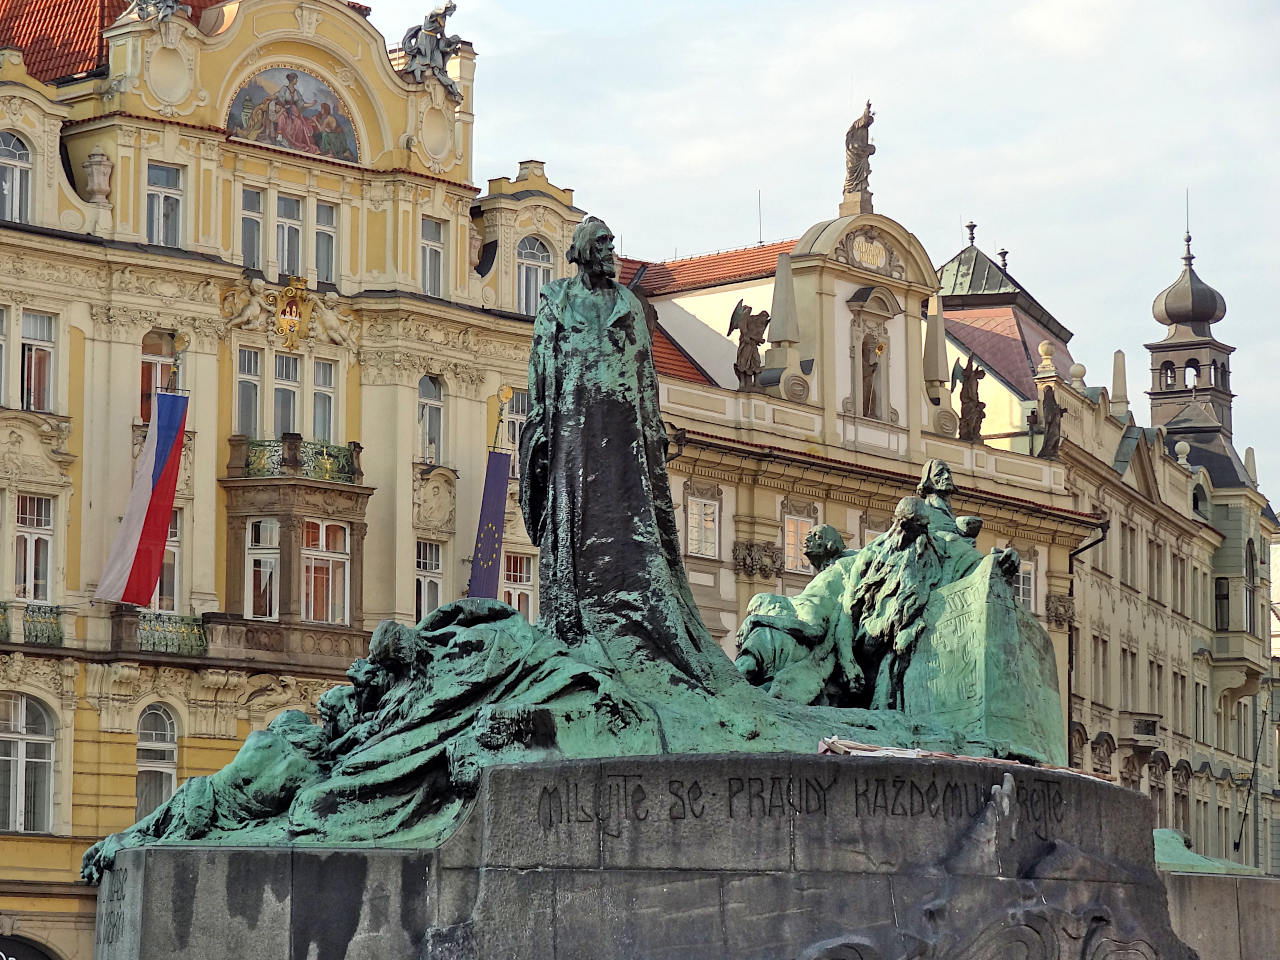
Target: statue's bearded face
941 480
599 255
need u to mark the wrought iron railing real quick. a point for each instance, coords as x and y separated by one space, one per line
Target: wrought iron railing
42 625
316 460
171 633
327 461
5 630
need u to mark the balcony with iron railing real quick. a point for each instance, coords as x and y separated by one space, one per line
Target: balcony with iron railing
35 624
291 456
134 630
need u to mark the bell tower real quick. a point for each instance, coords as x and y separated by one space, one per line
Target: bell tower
1190 366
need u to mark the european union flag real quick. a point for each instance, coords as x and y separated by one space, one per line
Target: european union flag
486 560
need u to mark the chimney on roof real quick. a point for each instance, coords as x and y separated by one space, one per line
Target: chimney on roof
1119 387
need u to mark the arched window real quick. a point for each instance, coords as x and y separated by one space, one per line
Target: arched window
157 365
1199 501
1168 375
157 758
533 269
1213 373
15 179
431 419
1191 375
26 764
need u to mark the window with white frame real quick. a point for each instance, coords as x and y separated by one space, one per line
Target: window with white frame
15 178
429 577
1024 590
516 417
326 242
37 361
325 560
262 570
517 582
248 392
431 419
26 764
165 599
288 379
251 228
794 530
322 401
288 234
704 532
157 759
432 257
157 365
33 552
4 341
164 205
533 270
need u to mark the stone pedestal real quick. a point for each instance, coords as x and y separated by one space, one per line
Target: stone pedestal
728 856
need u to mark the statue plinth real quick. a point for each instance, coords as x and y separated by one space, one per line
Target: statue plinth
724 856
859 201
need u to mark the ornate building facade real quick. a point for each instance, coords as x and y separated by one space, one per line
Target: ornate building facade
1171 676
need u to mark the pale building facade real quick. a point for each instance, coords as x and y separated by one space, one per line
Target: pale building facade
1172 675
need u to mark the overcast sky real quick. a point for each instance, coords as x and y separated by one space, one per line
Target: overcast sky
1067 131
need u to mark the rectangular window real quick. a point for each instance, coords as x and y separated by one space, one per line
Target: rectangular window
262 570
166 596
326 242
517 582
432 256
37 361
794 530
1025 588
1101 693
1200 712
26 766
4 342
164 205
288 375
34 547
431 419
704 536
248 392
322 402
325 561
251 228
1221 604
429 577
288 234
15 181
516 417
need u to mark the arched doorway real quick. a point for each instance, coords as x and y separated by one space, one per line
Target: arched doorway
14 948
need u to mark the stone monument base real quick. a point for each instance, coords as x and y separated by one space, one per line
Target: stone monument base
720 856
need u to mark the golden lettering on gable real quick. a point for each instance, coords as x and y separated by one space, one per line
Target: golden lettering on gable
869 253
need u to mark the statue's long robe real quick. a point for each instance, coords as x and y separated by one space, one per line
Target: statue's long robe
611 586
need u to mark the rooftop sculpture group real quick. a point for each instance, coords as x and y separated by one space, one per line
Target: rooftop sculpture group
888 645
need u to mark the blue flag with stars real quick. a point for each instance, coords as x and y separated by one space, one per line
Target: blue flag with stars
486 561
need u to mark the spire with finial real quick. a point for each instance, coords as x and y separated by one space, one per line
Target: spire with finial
972 228
1189 300
1003 254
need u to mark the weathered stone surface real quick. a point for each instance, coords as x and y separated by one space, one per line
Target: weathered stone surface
1225 917
722 856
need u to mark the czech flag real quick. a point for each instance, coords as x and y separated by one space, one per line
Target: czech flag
133 569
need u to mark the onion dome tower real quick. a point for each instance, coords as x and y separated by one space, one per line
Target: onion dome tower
1190 370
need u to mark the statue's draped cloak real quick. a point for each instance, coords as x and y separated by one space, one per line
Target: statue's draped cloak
611 585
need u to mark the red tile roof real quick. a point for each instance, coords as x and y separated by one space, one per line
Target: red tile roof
1006 342
60 38
709 270
670 361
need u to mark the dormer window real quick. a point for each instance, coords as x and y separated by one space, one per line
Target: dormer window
533 270
15 179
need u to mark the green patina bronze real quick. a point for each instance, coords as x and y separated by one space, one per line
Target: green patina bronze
910 642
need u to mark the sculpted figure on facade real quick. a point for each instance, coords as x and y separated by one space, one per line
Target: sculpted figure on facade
428 48
858 149
750 327
161 10
247 304
1051 423
972 410
334 323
